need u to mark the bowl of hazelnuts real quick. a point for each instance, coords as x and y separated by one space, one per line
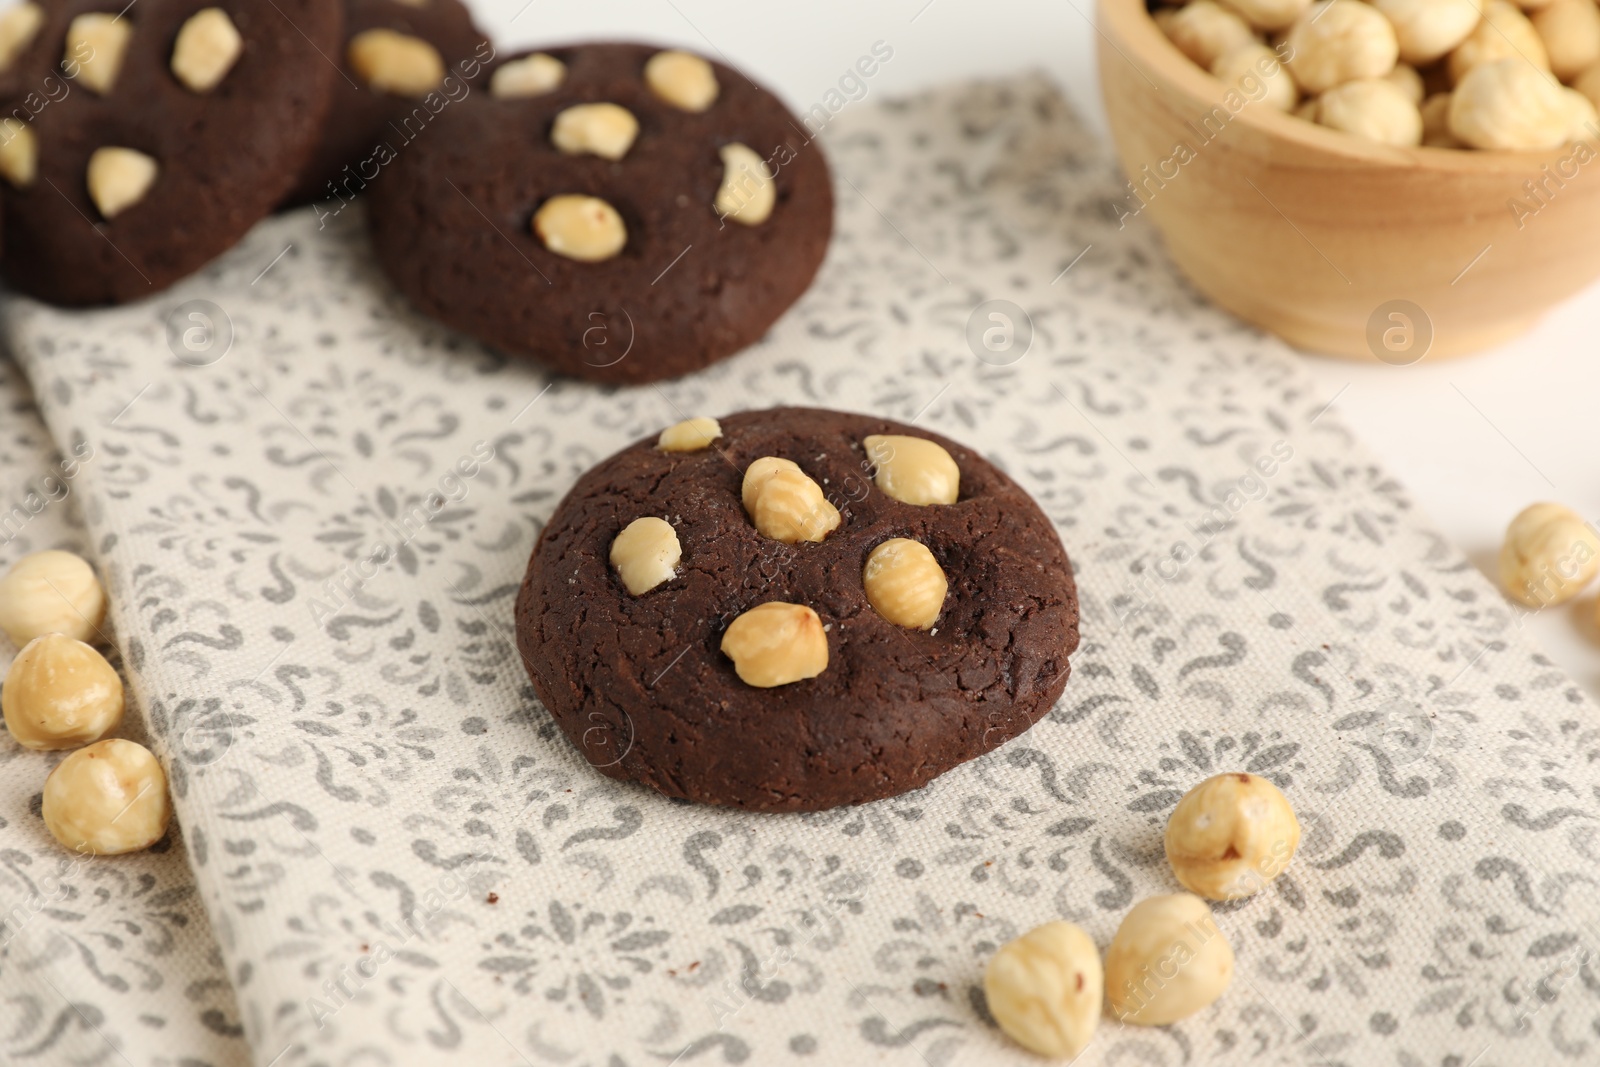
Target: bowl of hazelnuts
1383 180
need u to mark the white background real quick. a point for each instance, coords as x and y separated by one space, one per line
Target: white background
1475 439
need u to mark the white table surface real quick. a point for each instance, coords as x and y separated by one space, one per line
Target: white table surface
1475 440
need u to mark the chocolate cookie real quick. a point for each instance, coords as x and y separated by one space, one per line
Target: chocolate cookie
139 146
397 54
617 212
794 609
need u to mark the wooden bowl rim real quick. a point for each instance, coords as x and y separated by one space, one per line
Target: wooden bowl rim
1127 26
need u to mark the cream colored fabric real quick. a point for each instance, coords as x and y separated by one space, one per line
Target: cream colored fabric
405 863
101 960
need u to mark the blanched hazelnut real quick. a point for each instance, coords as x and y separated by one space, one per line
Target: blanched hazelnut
19 153
396 63
790 507
904 583
690 435
913 470
1045 989
775 644
97 43
604 130
1550 554
107 799
1166 961
756 476
1511 104
1231 835
119 178
1406 78
60 693
19 25
748 192
1570 30
1427 30
682 79
584 228
645 554
207 47
532 75
1205 31
1335 42
1254 70
1270 15
51 592
1504 33
1371 108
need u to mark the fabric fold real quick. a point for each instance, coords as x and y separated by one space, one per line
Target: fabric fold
101 959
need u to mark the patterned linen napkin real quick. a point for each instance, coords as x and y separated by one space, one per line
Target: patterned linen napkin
101 961
405 863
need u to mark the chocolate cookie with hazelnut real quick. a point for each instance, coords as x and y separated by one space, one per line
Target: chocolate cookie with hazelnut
140 141
793 609
404 62
615 211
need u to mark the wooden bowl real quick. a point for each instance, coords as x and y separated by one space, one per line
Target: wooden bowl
1333 243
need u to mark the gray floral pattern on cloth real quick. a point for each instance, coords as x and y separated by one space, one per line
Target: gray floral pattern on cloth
314 534
108 960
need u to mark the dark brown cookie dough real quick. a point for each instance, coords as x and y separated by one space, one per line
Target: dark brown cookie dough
640 685
361 119
226 156
452 224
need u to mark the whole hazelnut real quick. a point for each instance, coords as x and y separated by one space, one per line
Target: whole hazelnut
1045 989
1231 835
1166 961
51 592
107 799
60 693
1550 553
